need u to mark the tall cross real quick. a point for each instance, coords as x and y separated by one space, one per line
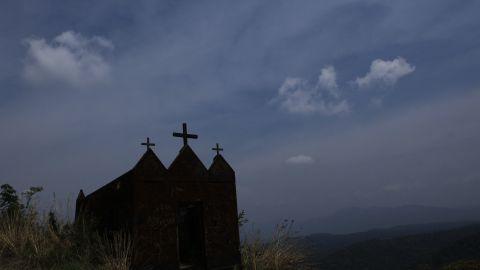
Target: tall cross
218 149
185 135
148 143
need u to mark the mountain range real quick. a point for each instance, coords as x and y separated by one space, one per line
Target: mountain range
356 219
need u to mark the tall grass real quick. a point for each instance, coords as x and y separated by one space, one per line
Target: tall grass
116 252
30 242
281 252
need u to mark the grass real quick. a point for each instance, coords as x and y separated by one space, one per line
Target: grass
281 252
30 242
463 265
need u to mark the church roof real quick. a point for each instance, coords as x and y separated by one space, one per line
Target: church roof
112 185
148 165
150 162
187 166
81 195
221 170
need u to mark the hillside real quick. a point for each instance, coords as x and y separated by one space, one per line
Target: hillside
322 244
420 251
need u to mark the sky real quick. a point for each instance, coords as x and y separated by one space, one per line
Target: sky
319 105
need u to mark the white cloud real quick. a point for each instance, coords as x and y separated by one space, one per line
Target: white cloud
69 58
384 72
300 159
297 95
328 80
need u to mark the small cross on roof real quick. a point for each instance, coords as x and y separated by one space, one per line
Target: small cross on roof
217 148
185 135
148 143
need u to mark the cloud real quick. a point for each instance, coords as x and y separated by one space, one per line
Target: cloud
297 95
69 58
300 159
328 80
384 72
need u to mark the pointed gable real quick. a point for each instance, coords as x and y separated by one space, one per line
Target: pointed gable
187 166
79 204
150 165
220 170
81 196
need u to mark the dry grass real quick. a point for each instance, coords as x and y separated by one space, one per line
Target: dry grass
116 252
463 265
25 242
29 242
280 253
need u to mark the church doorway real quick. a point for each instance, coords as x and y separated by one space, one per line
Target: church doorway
191 243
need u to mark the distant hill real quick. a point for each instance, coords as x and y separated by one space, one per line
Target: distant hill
323 244
420 251
361 219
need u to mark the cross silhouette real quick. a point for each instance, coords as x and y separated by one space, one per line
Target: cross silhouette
148 143
218 149
185 134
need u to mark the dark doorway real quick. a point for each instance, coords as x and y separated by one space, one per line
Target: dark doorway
191 236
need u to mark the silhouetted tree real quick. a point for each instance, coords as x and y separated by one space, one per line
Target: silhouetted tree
242 218
29 193
9 201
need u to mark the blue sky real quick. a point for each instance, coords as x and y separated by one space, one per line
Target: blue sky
319 105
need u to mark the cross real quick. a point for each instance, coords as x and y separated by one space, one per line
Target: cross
218 149
185 135
148 143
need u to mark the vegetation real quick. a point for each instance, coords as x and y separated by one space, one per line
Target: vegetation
463 265
281 252
29 241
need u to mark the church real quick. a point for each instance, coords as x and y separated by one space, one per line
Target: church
181 217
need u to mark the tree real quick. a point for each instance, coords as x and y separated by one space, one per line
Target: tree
29 193
9 201
242 218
